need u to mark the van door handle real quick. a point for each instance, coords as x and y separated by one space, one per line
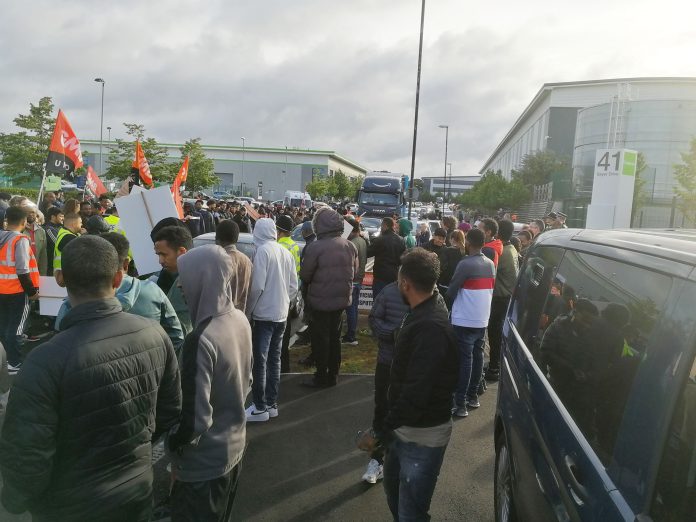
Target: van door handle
576 479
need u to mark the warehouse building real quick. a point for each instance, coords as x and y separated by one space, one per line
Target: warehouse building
454 185
655 116
250 170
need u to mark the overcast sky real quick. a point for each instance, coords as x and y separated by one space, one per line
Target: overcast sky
327 74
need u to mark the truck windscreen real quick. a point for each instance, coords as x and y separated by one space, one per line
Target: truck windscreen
377 198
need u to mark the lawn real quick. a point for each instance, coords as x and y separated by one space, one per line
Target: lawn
354 359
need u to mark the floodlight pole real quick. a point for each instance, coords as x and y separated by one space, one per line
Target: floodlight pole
415 120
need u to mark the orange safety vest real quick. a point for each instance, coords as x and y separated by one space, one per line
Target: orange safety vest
9 281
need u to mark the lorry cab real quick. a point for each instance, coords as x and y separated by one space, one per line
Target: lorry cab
381 196
596 412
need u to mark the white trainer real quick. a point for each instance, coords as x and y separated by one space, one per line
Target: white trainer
272 411
253 415
374 472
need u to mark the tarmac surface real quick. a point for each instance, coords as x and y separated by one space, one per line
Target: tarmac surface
304 466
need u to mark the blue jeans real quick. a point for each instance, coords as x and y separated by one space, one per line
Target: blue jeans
267 338
352 313
470 346
410 475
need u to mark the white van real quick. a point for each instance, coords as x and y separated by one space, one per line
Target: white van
297 199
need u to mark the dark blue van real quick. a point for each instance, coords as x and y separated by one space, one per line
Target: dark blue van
596 414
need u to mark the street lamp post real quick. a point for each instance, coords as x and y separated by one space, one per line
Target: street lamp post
415 119
101 126
449 187
446 127
243 151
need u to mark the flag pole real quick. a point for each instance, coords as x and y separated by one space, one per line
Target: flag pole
43 180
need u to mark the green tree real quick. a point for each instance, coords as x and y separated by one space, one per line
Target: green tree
493 191
342 186
122 155
355 184
201 173
538 167
685 190
640 195
318 188
23 153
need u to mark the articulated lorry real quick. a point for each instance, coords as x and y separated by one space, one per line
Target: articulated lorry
382 194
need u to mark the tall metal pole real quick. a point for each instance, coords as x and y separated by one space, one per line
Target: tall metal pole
446 127
449 187
415 120
243 150
285 177
101 126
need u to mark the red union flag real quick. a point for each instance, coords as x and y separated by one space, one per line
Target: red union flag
93 183
140 166
64 154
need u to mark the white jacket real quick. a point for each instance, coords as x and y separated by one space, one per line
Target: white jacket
274 277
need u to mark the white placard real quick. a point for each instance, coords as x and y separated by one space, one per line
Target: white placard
365 299
51 296
140 211
347 229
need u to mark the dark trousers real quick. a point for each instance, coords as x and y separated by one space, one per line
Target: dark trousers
207 501
382 372
499 306
285 347
14 311
470 347
410 476
352 313
326 344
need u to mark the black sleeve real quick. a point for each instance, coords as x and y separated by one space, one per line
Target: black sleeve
27 285
489 253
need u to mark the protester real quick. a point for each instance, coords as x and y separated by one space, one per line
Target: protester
88 404
423 377
96 225
536 227
72 206
207 445
352 311
448 256
458 240
72 226
405 228
226 235
273 286
493 247
387 249
505 280
308 235
48 200
242 220
170 243
449 223
54 222
206 217
284 226
37 237
469 296
423 235
328 270
525 237
386 315
19 283
86 210
193 220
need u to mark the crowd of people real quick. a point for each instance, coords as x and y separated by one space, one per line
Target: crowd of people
174 355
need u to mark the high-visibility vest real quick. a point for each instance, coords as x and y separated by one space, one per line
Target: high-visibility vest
56 253
293 248
112 221
9 280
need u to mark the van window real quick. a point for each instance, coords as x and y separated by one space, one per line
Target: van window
532 290
599 318
675 492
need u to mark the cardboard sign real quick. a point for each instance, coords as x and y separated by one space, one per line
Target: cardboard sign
52 184
251 212
365 299
52 296
347 229
140 212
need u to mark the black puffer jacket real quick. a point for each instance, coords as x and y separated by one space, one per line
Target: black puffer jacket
425 368
76 443
387 248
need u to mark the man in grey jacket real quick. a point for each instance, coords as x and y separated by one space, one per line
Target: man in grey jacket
273 287
328 268
208 444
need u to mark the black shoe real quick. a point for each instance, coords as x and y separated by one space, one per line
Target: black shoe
307 362
492 375
482 387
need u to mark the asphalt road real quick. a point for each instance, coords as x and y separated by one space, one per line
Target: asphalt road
303 465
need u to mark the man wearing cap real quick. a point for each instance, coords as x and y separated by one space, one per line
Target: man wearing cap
549 220
560 221
284 226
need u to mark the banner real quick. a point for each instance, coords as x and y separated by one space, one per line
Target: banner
140 167
93 184
64 154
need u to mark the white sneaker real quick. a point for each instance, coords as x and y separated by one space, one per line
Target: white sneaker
253 415
374 472
272 411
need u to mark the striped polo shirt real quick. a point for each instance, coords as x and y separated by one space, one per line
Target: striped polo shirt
475 279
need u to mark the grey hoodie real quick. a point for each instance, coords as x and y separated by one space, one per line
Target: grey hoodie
215 370
274 278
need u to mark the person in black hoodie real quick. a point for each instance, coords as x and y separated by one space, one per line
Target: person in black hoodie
386 249
423 378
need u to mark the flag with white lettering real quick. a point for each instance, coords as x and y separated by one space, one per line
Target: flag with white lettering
64 154
140 167
93 184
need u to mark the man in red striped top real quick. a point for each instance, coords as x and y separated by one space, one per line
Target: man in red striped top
470 293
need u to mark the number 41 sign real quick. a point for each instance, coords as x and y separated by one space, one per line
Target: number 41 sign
612 189
612 162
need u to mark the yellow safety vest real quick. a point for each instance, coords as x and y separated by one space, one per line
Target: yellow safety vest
56 253
293 248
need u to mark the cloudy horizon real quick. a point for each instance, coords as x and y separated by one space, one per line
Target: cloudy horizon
327 75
